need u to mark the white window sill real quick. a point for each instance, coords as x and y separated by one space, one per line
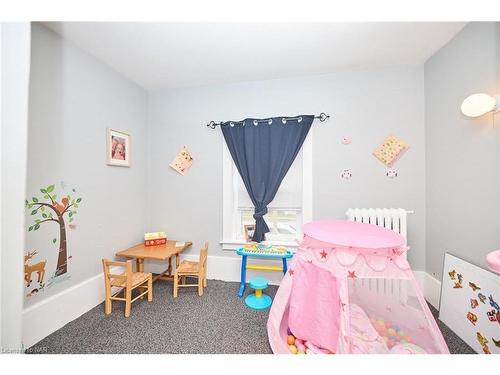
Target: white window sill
232 245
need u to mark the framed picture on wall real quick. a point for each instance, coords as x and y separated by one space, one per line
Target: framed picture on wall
249 230
117 148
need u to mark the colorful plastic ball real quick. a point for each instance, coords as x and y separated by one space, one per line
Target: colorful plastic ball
290 340
388 323
293 349
396 328
385 338
401 333
391 332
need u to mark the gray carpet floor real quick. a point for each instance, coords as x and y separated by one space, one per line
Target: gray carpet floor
217 322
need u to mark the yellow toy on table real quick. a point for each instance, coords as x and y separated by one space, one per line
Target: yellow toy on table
155 238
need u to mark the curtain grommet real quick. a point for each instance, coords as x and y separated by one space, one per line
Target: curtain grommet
300 119
270 121
283 120
231 124
255 122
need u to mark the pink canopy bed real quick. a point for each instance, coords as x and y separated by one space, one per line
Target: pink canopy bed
350 289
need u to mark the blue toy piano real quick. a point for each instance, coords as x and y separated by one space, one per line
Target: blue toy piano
261 251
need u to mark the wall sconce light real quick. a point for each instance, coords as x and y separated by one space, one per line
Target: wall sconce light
479 104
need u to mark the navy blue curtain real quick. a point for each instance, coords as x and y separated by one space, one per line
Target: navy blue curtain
263 151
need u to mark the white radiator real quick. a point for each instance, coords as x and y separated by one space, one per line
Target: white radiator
393 219
390 218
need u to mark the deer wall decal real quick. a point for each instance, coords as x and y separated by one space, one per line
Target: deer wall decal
39 268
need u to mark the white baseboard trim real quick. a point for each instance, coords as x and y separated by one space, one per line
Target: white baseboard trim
228 268
49 315
430 286
52 313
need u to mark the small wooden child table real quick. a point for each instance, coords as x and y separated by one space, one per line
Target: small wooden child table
159 252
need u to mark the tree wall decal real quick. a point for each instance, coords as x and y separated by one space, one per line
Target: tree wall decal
51 210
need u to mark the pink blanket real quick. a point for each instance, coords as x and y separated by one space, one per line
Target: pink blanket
315 306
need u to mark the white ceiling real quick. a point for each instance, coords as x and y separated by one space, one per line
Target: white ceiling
172 55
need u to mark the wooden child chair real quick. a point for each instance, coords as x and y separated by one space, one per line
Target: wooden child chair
127 281
192 269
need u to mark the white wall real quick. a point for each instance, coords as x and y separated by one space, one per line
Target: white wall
462 154
73 99
366 105
14 78
498 57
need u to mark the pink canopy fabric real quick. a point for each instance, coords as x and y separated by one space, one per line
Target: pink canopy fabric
350 234
349 289
306 306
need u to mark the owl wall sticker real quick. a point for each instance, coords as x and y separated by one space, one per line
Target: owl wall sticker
346 174
391 173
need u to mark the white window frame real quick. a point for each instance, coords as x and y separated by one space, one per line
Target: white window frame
230 213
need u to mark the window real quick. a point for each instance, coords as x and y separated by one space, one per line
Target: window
290 208
284 224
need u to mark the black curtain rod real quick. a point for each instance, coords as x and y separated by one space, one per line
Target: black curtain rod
321 117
